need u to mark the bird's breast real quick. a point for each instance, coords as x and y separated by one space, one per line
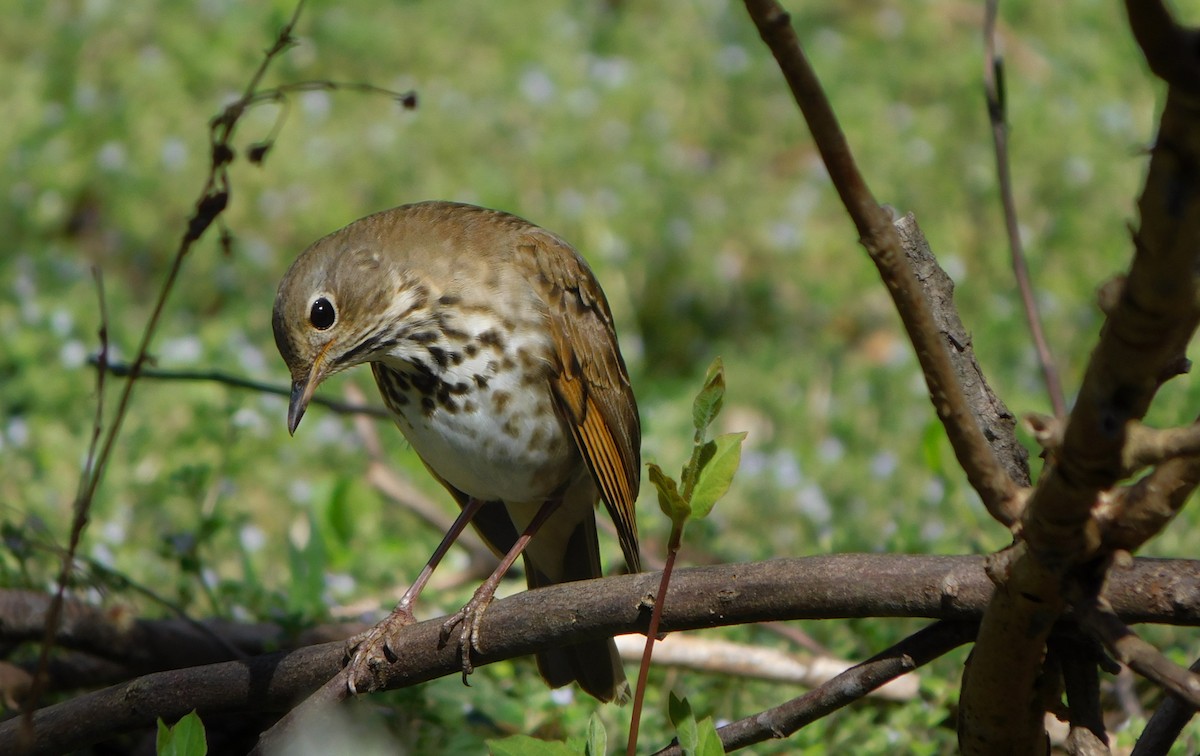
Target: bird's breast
477 406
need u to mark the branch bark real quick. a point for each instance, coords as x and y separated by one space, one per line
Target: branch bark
1142 340
783 720
826 587
999 493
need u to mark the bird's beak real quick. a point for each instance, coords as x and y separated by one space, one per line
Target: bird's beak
302 392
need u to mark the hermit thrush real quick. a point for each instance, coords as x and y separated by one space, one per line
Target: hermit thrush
494 348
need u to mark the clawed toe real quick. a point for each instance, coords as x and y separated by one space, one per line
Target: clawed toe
469 618
370 651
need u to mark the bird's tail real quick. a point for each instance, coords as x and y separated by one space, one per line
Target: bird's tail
595 665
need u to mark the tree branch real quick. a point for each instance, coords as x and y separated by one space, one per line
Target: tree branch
998 424
216 376
826 587
1142 340
993 85
999 493
1140 656
1164 727
783 720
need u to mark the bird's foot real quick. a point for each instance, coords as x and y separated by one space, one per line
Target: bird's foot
370 651
468 619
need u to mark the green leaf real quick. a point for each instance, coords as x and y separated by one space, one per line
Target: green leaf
708 402
719 460
597 737
524 745
185 738
708 742
681 715
669 499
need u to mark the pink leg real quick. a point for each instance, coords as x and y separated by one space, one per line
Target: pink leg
371 649
471 614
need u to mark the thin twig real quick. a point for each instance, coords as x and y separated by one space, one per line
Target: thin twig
1163 729
78 523
781 721
211 203
993 85
1127 647
217 376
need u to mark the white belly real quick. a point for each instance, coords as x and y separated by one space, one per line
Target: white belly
500 440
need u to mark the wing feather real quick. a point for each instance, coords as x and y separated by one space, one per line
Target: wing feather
590 381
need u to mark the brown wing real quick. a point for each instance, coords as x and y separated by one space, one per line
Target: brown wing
591 383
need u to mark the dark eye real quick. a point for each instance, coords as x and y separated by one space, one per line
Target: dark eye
322 314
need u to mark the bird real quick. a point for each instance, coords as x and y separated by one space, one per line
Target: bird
494 348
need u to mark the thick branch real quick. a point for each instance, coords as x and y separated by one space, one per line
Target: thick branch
1169 48
1138 513
1145 446
994 419
1141 341
848 585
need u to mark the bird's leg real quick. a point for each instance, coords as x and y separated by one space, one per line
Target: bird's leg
372 648
471 614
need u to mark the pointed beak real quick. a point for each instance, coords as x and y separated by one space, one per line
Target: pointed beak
302 392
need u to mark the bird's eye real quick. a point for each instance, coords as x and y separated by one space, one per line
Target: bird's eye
322 314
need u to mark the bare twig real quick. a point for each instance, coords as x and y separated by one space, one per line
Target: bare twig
993 85
1146 446
1163 729
1124 644
701 653
1081 681
999 493
79 521
216 376
994 418
1137 513
783 720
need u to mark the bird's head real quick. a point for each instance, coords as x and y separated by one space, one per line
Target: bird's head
345 301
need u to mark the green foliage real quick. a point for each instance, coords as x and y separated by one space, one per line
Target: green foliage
594 743
523 745
708 402
307 561
597 737
716 464
184 738
709 472
696 738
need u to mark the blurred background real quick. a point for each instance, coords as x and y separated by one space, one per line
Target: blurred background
659 139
